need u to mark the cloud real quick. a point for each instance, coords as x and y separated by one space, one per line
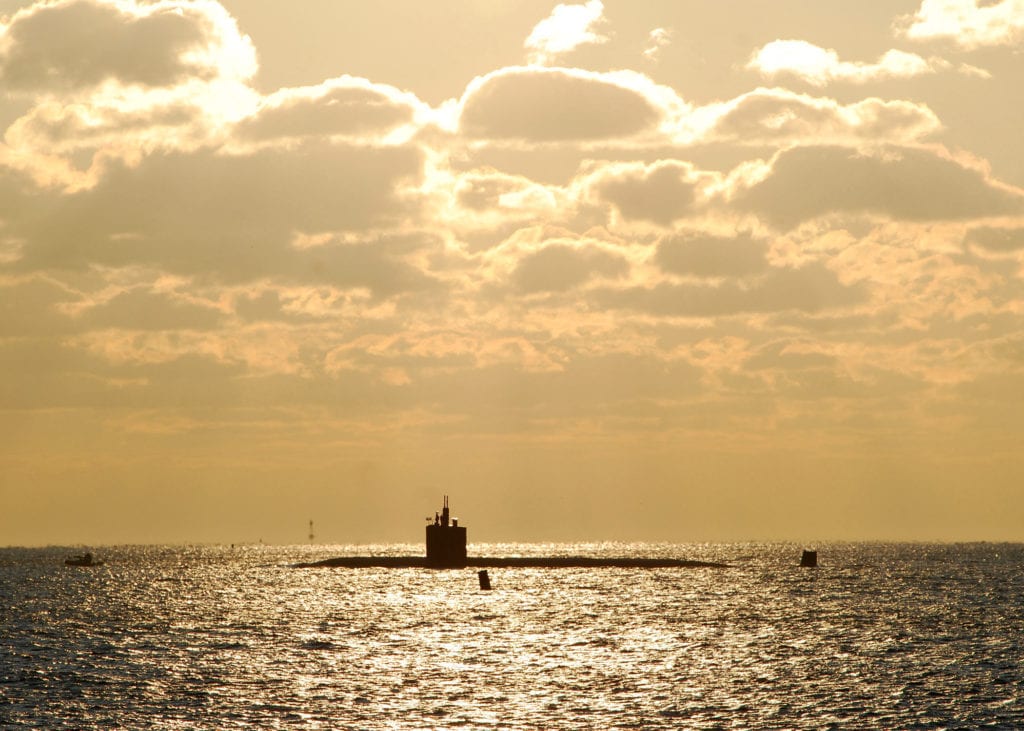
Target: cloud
117 80
966 23
560 257
705 255
482 205
69 145
74 45
299 303
819 66
918 276
559 267
657 39
567 28
555 106
346 106
559 105
64 128
661 193
909 183
779 116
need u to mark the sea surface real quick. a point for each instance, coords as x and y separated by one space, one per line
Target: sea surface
878 636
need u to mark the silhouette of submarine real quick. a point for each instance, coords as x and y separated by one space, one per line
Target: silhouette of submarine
446 549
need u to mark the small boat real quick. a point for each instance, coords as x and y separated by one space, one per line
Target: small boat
84 559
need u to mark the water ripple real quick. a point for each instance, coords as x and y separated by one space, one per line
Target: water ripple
878 636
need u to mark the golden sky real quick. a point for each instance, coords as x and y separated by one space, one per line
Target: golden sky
673 270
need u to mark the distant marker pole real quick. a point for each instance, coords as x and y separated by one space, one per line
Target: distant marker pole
485 580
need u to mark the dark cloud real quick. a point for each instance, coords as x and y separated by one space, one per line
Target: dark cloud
769 115
661 193
140 309
829 324
554 105
51 125
30 307
558 267
482 192
233 217
902 183
286 304
262 306
711 256
810 289
997 239
1002 395
42 373
338 108
189 381
1011 349
16 197
375 264
797 374
542 164
82 43
779 356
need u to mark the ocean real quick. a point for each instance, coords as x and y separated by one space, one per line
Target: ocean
878 636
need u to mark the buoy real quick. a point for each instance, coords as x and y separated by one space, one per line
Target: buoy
485 580
810 558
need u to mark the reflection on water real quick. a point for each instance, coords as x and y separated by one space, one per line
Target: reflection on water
876 637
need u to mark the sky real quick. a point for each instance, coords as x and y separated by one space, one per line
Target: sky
666 271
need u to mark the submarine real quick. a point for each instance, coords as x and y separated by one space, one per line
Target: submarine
446 549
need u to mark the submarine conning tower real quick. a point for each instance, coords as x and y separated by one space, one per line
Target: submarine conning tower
446 540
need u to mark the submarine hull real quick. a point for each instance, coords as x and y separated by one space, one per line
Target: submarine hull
538 562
